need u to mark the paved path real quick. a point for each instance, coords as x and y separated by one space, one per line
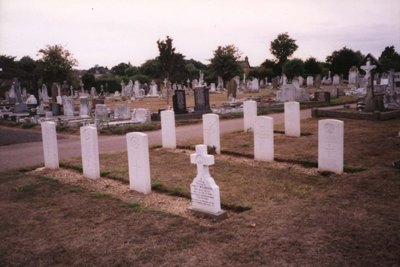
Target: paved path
28 154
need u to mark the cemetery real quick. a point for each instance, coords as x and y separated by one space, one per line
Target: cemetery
178 163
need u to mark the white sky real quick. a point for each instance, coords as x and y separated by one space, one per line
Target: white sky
107 32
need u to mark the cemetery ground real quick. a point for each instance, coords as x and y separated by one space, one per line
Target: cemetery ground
279 213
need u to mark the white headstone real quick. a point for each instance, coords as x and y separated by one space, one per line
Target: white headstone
292 118
336 79
90 152
122 112
330 145
68 105
212 87
310 80
204 190
84 111
211 136
168 131
50 146
101 113
264 138
139 162
249 114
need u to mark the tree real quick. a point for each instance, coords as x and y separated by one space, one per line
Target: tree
225 62
8 67
166 57
151 68
272 68
294 67
56 64
131 71
119 69
88 80
389 59
342 60
282 48
312 67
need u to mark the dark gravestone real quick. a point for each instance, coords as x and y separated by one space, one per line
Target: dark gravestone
201 100
179 102
55 109
322 97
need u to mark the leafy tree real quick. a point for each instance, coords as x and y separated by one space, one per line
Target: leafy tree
120 69
98 69
193 67
132 71
272 67
312 67
88 80
225 62
389 59
9 67
342 60
294 67
151 68
56 64
282 48
172 64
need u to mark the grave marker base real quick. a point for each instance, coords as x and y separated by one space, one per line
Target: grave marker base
219 216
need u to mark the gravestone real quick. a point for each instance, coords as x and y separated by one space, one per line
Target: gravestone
318 81
204 191
212 87
264 138
292 119
168 131
330 145
249 114
90 152
141 115
201 100
68 105
211 133
122 112
139 162
101 114
336 79
322 97
353 76
179 102
310 81
287 93
50 146
275 83
255 86
84 111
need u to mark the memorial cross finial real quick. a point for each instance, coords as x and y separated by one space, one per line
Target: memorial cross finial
202 160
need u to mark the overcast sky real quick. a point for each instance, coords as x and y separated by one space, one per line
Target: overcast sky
108 32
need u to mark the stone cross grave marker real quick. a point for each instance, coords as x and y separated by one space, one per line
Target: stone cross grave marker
204 191
168 131
249 114
50 146
292 118
211 134
264 138
330 145
139 162
90 152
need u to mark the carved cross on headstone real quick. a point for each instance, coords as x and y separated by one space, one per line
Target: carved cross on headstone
202 160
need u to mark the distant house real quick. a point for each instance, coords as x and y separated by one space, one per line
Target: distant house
245 65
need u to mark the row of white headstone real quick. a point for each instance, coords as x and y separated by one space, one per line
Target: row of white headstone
330 134
138 155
